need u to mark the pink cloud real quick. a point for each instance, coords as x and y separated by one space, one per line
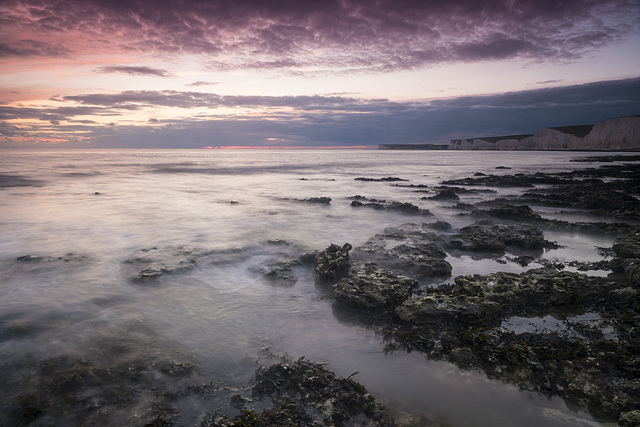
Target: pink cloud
350 35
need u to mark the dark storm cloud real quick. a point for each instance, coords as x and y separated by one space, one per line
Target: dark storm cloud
142 71
353 35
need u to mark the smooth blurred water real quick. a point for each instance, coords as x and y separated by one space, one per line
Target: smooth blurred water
229 205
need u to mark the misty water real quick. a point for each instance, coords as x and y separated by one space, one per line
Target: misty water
234 212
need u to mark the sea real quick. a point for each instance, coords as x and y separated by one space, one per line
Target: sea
77 226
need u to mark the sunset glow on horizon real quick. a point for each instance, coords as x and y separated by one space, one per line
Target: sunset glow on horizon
284 74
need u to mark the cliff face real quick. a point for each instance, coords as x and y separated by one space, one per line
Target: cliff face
617 134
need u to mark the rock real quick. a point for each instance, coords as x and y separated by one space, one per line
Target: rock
462 356
332 263
153 263
420 260
407 208
539 288
371 287
319 200
387 179
628 245
238 401
445 194
280 273
28 258
487 235
510 212
305 393
438 309
417 255
438 225
629 419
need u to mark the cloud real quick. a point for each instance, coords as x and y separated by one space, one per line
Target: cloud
143 71
322 36
549 81
33 48
201 83
320 120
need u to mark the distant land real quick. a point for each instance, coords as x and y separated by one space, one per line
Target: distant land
618 134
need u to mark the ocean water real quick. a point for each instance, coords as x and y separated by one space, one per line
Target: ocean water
235 212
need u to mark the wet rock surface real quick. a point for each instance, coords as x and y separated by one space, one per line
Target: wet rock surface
332 263
406 207
487 235
371 287
304 393
67 390
150 264
462 323
386 179
592 360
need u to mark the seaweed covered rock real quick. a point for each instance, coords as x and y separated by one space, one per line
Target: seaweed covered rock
280 273
420 260
406 207
591 363
628 245
510 212
65 390
445 194
629 419
486 235
440 309
627 251
540 289
152 263
371 287
332 263
316 397
417 255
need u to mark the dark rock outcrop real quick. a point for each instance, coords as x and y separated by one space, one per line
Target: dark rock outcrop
486 235
333 263
371 287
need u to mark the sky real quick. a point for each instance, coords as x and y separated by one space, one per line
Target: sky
318 73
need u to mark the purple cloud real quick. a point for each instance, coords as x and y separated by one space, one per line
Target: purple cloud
347 36
202 83
142 71
33 48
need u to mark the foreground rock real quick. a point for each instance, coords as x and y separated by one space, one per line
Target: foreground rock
332 263
627 251
462 323
489 236
371 287
306 394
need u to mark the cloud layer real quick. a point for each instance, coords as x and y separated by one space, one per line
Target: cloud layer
317 36
309 120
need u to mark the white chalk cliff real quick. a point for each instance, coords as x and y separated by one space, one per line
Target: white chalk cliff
619 134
